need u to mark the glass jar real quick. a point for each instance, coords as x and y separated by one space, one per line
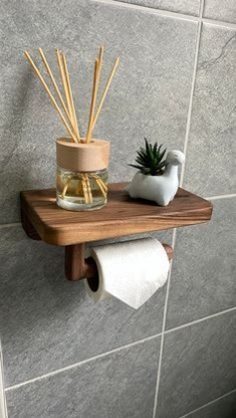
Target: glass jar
82 174
81 191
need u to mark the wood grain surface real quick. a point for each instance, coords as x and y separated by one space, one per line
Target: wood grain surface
121 216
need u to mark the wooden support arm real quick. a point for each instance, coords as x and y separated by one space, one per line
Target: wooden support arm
78 267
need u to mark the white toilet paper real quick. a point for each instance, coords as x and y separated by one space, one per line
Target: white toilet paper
131 271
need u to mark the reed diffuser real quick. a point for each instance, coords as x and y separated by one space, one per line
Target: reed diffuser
82 163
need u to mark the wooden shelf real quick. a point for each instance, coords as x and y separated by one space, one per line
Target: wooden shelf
43 219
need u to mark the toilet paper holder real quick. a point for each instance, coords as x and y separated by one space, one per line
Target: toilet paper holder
43 220
78 267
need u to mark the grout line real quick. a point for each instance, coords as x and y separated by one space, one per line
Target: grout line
188 124
80 363
2 226
163 333
3 404
224 196
209 403
197 47
107 353
166 13
197 321
214 22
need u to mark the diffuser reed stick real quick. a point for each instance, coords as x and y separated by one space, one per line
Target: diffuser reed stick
49 71
93 100
64 81
85 190
113 71
90 197
72 106
100 185
66 187
54 103
96 81
100 59
104 186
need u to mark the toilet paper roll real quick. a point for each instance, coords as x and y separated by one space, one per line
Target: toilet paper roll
130 271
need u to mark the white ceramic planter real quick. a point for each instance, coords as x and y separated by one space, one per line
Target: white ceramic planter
160 189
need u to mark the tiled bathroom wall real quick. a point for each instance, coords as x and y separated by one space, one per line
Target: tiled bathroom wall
3 412
64 356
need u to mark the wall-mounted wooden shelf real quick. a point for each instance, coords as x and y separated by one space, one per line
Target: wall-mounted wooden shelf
43 219
122 216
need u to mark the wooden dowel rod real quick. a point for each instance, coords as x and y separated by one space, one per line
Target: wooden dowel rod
36 70
64 82
65 88
101 181
85 191
93 101
101 188
100 63
90 196
72 106
95 92
107 86
66 187
49 71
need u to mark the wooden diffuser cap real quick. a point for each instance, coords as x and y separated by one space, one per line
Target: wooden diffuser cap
83 157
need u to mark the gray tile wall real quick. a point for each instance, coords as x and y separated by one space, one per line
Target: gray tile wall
220 10
63 355
180 6
2 388
224 406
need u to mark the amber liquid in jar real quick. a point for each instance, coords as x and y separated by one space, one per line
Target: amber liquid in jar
81 191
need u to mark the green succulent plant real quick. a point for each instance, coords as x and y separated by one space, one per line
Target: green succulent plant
150 159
